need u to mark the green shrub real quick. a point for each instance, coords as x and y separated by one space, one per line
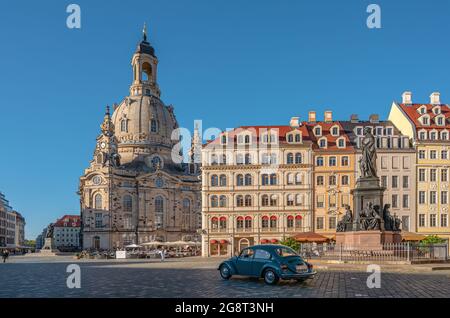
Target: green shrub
432 239
292 243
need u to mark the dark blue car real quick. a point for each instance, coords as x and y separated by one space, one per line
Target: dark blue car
271 262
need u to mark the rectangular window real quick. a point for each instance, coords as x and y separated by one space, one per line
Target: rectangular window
422 197
405 223
444 154
422 154
433 154
422 176
444 220
421 220
444 197
332 223
345 200
319 223
332 200
444 175
384 162
384 182
433 175
394 182
320 201
98 220
433 196
395 164
406 163
319 180
395 201
405 201
405 182
432 220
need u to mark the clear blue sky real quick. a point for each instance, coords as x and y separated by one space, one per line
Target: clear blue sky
228 63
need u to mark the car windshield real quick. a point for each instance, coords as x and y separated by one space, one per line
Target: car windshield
286 252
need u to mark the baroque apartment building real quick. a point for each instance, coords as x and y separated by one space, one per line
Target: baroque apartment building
395 164
333 172
428 125
256 187
137 188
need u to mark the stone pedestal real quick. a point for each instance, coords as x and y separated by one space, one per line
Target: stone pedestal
49 247
367 240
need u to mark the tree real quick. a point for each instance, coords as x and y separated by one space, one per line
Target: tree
432 239
292 243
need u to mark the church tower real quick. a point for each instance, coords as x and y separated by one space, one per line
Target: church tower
144 63
136 190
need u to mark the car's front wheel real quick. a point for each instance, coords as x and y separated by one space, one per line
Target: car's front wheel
225 272
270 277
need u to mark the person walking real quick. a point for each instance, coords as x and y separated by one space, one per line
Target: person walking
5 255
163 252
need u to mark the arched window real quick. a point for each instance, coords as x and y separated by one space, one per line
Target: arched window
319 161
153 126
290 200
290 178
214 201
239 159
290 222
159 212
146 72
124 125
290 158
98 202
298 138
248 159
223 201
224 159
248 200
214 224
128 203
248 222
223 223
240 223
239 201
265 179
265 200
273 200
273 179
247 139
273 222
214 180
240 180
298 178
298 158
299 199
223 180
290 138
248 179
265 222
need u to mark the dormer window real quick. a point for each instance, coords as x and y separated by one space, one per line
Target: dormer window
323 143
341 143
433 135
425 120
422 110
444 135
294 137
318 131
269 138
247 139
335 131
389 131
358 131
440 120
422 135
437 110
379 131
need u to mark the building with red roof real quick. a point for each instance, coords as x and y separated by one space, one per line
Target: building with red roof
66 234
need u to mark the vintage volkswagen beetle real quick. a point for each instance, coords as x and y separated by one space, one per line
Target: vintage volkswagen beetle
271 262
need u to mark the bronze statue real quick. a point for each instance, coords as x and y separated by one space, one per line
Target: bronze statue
50 229
368 161
369 218
342 226
389 222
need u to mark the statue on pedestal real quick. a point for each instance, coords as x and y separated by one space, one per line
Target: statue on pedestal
368 161
369 218
345 224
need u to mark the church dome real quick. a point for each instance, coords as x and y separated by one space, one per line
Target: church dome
145 121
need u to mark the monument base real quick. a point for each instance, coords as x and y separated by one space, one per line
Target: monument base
49 248
367 240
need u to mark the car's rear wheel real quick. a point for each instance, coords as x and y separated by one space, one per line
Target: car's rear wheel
225 272
270 277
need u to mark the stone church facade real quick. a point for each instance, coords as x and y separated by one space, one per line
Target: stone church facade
137 189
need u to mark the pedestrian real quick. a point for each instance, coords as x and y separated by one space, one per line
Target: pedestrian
163 252
5 255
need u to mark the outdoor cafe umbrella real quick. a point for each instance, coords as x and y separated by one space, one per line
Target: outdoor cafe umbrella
412 237
310 237
132 246
153 243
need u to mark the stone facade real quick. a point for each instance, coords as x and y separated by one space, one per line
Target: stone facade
66 233
257 187
428 125
137 189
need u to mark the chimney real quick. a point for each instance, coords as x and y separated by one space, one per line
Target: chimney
328 116
374 118
407 98
354 118
295 122
312 117
435 98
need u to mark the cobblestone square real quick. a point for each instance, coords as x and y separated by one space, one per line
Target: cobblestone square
197 278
